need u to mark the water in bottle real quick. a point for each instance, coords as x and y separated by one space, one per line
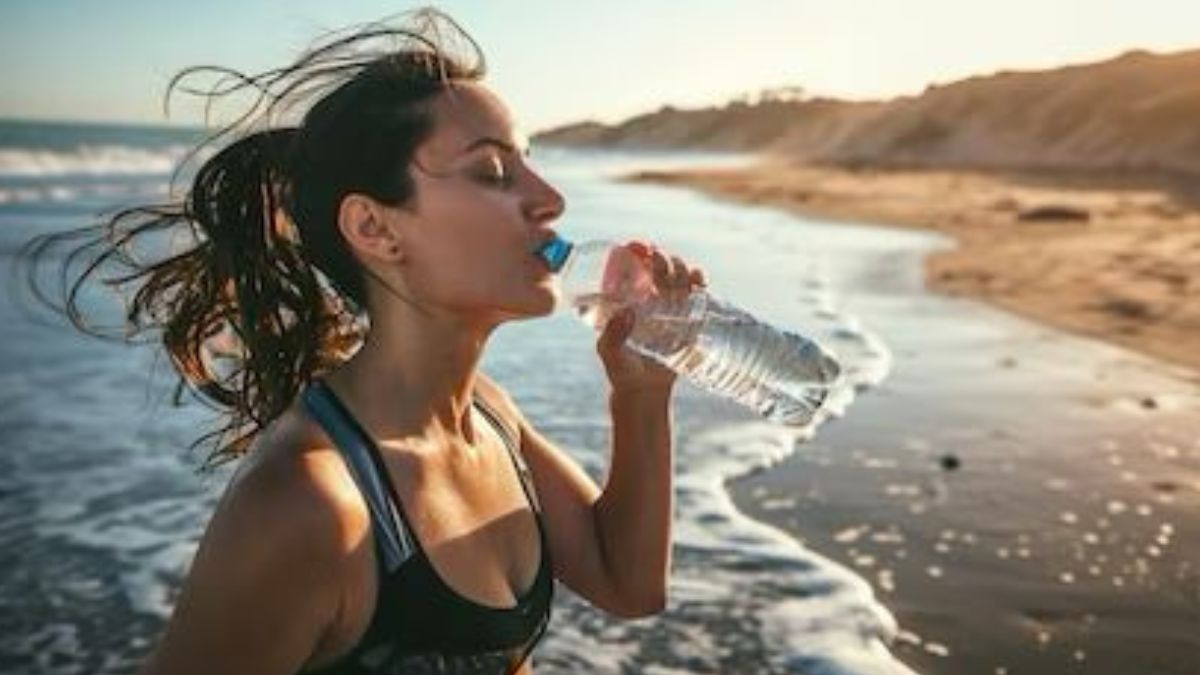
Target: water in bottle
782 375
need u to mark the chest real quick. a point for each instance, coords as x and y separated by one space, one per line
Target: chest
474 523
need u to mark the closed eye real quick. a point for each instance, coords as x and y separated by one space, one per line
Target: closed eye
494 172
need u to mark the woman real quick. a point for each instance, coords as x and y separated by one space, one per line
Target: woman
393 511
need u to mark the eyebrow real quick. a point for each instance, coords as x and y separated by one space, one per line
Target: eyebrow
486 141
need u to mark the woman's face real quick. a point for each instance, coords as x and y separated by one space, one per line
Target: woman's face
478 213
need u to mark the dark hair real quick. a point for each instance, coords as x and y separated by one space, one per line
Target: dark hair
267 295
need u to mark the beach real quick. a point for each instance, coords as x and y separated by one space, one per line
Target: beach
1001 497
1023 496
938 404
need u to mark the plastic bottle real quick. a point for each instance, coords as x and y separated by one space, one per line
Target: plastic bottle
783 376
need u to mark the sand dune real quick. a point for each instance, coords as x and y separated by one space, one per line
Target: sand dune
1136 112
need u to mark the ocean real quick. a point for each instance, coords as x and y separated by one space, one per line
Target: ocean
101 506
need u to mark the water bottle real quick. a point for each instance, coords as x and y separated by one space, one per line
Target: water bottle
783 376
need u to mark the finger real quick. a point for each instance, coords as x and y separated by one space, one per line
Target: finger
696 278
679 273
661 267
640 248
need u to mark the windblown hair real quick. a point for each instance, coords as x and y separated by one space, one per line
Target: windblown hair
264 294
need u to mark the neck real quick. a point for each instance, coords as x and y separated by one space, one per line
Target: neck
415 376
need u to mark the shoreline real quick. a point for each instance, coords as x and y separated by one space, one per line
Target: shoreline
1088 255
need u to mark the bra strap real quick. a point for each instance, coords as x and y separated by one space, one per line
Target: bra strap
514 452
352 442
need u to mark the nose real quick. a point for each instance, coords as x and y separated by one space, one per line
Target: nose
545 203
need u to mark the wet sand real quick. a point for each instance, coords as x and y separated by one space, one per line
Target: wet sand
1017 562
1023 499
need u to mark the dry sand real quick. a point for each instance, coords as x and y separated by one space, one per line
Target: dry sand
1129 274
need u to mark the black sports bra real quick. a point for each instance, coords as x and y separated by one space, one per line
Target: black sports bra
421 625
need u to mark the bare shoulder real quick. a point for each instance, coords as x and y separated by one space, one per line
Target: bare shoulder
268 581
292 496
292 469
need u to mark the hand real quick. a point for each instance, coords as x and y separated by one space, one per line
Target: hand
627 370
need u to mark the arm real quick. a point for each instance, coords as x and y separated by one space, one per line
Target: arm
613 547
633 514
262 588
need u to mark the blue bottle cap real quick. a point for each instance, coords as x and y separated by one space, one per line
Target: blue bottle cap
555 252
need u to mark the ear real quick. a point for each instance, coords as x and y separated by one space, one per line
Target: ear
365 226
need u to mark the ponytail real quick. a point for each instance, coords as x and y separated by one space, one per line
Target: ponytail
249 278
242 315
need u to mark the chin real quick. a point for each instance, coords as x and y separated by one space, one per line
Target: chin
545 302
548 298
540 303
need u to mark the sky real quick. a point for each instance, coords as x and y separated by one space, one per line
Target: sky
556 62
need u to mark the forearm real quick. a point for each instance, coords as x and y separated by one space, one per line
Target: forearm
633 514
